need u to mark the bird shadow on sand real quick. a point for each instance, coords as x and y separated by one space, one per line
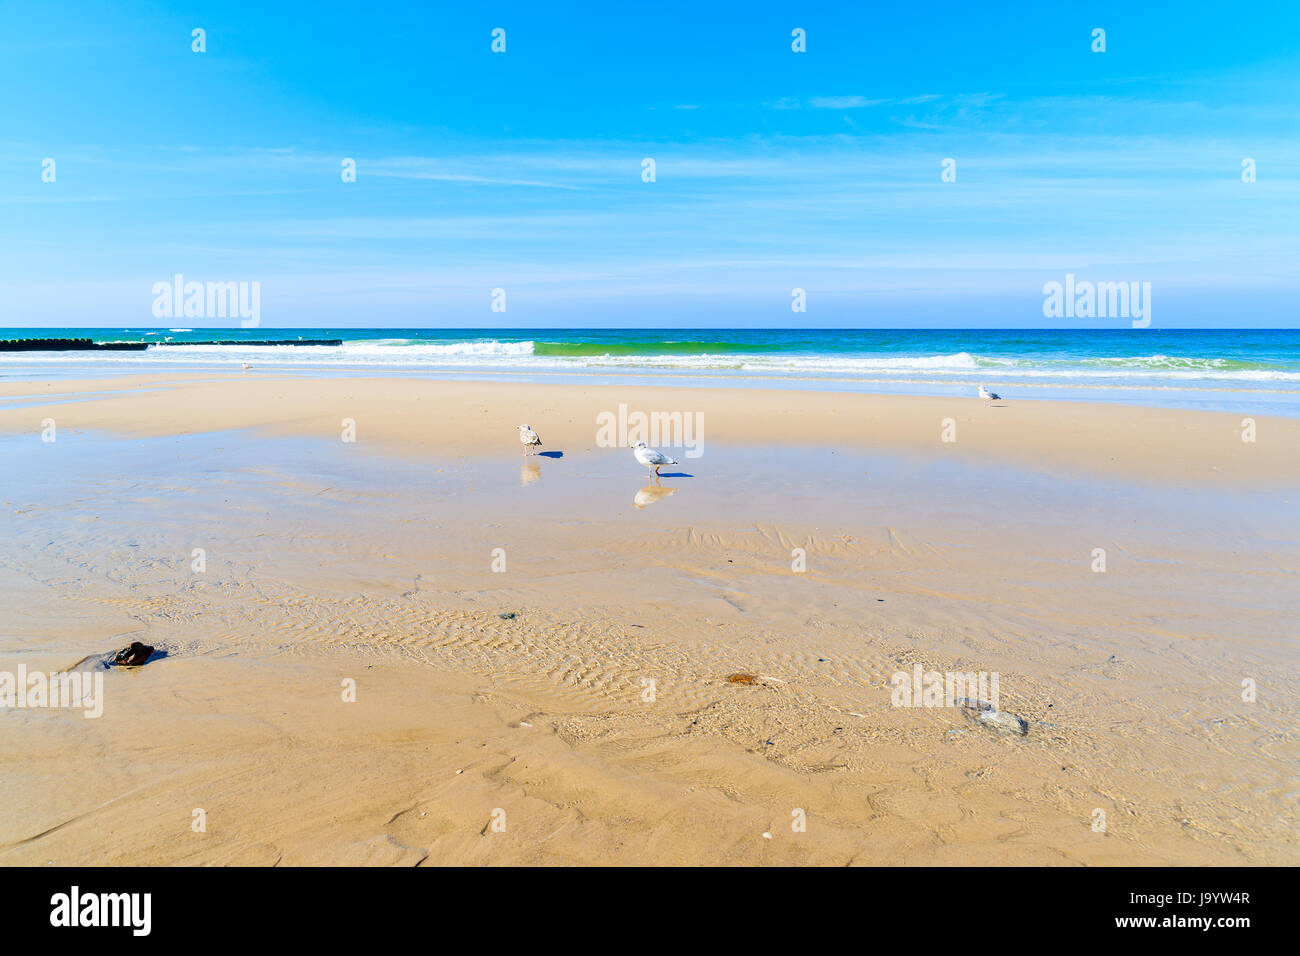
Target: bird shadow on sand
550 454
675 474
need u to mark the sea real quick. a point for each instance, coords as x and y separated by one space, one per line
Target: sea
1247 371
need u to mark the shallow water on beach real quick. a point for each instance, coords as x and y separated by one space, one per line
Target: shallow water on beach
248 491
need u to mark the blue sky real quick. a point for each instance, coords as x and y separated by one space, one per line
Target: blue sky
775 170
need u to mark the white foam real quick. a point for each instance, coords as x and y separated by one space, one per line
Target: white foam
954 368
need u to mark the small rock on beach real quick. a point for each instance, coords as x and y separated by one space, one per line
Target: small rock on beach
132 656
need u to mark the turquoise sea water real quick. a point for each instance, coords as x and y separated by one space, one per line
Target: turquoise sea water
1231 370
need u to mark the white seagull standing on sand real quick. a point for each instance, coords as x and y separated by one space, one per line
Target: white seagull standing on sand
989 396
651 458
529 439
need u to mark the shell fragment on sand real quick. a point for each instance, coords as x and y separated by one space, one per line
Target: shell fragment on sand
985 713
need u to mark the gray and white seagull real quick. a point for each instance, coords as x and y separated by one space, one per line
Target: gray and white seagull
989 396
651 458
529 439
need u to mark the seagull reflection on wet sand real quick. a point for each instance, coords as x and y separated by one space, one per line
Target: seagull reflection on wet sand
650 494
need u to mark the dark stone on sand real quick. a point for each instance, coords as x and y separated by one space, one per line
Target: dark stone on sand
132 656
508 616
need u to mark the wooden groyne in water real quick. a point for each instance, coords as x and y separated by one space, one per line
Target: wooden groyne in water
89 345
69 345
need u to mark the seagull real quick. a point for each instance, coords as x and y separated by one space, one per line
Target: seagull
529 439
989 396
651 458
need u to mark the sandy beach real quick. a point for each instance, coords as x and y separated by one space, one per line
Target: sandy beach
407 643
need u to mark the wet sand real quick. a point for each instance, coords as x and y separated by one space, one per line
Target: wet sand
458 418
598 723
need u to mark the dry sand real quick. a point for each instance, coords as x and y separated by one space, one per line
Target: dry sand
329 562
